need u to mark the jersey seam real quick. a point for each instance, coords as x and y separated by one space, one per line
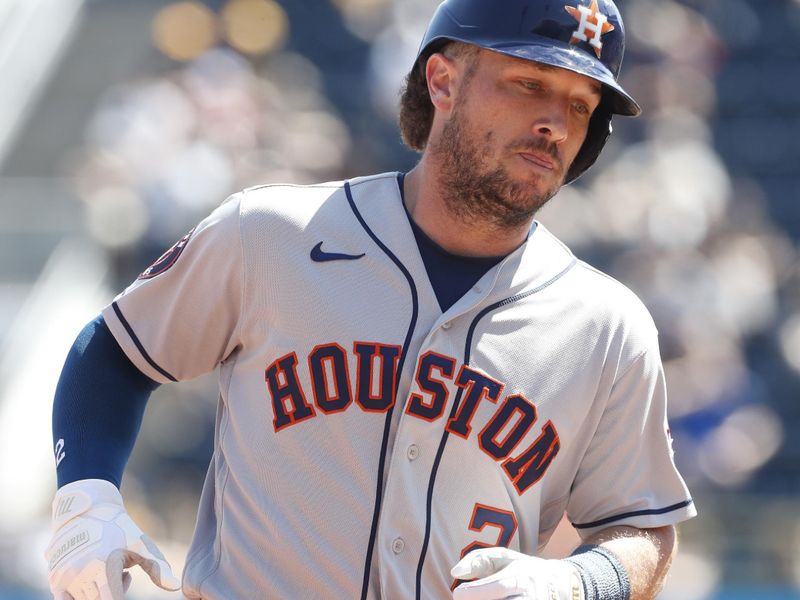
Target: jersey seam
625 370
331 186
217 548
600 273
243 286
387 175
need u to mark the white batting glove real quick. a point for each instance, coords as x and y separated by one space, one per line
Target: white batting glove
500 573
94 540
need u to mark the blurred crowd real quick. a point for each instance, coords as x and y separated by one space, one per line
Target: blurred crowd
691 206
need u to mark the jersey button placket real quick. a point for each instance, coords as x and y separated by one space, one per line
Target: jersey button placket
446 325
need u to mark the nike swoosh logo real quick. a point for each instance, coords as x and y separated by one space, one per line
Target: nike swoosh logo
319 255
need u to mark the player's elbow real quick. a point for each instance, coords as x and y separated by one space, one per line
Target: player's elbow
665 540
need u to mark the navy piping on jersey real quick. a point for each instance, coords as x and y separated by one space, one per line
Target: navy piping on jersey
635 513
456 402
136 341
388 421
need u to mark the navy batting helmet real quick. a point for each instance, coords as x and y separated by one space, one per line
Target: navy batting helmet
584 36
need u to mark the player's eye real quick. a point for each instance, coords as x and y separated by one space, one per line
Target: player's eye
581 108
531 85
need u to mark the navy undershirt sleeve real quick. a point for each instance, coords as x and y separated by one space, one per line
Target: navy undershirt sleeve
98 407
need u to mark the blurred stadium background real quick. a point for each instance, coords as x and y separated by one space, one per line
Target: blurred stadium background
123 122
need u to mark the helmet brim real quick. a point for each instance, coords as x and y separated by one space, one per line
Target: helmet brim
565 56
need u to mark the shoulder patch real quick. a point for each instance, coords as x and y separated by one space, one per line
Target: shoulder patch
166 260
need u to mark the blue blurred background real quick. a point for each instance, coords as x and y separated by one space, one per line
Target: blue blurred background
122 123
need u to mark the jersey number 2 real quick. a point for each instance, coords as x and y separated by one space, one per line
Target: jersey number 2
482 516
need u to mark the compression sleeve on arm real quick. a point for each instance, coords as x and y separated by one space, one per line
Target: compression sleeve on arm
98 408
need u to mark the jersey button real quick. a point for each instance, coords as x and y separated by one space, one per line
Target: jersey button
397 545
412 452
446 325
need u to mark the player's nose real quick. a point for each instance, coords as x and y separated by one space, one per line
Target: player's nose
551 122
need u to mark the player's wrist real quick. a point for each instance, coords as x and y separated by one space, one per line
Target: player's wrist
602 574
77 497
567 582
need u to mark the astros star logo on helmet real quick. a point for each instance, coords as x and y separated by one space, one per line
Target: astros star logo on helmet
590 21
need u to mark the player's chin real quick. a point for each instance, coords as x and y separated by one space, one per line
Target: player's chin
539 186
538 177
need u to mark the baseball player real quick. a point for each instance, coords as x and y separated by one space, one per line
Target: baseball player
416 379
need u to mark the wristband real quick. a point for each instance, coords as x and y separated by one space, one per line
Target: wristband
603 576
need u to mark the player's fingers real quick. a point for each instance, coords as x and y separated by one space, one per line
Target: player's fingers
84 586
161 574
483 562
156 566
75 591
92 589
116 581
114 576
88 591
126 581
105 592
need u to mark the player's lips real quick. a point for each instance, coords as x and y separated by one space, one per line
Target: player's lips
540 159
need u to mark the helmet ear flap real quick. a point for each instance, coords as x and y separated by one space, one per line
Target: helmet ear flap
596 137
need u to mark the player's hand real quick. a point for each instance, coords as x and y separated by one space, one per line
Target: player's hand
94 540
500 573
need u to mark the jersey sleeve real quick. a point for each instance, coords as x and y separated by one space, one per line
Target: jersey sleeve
628 475
180 318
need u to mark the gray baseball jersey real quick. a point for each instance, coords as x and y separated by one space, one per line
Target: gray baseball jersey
365 440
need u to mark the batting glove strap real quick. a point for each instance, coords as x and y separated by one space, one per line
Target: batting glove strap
603 576
77 497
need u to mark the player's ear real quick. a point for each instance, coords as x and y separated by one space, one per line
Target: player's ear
440 72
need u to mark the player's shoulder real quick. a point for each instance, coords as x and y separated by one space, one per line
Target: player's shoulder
280 194
606 286
302 202
287 197
620 306
601 298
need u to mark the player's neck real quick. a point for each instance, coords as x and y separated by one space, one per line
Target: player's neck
454 232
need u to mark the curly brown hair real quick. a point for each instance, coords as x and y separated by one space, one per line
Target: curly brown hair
416 108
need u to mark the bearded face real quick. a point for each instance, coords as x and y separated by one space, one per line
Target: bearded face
513 130
477 186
